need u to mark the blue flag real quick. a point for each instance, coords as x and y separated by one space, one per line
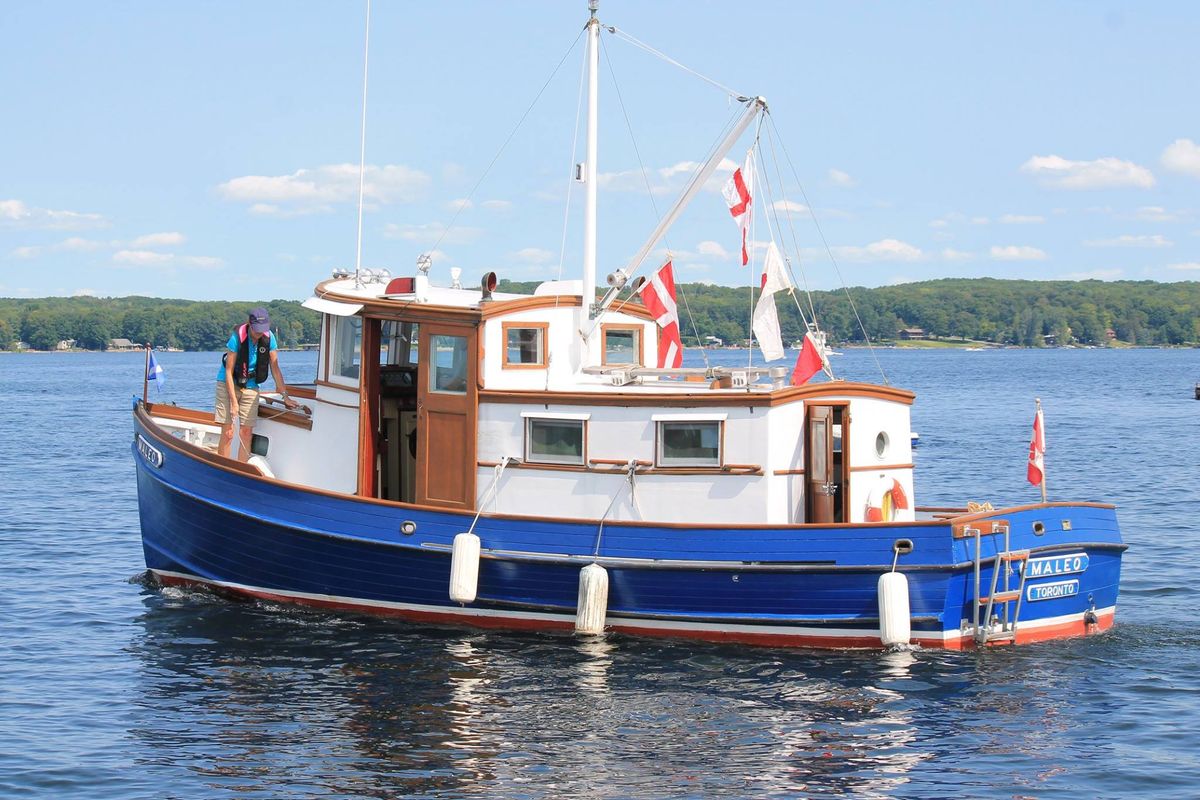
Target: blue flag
154 373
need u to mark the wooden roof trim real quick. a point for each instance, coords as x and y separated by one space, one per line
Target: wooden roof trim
499 308
703 397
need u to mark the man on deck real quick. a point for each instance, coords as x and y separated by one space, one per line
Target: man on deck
250 362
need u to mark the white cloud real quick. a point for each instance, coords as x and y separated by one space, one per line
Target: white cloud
431 232
1182 156
1094 275
170 239
1022 219
1017 253
150 258
790 206
534 255
839 178
16 214
461 204
1187 266
83 293
497 205
950 254
883 250
711 248
1103 173
74 244
317 190
1127 240
979 220
25 252
1155 214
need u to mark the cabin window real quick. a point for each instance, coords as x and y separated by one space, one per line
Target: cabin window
622 345
449 367
554 441
524 345
347 347
689 444
881 444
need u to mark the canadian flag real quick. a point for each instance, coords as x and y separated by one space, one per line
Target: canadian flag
809 362
737 195
766 318
1036 472
658 294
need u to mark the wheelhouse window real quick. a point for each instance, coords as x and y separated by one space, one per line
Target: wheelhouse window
689 443
524 345
449 367
555 440
347 347
622 345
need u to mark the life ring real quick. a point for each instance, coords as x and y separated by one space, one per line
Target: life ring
885 497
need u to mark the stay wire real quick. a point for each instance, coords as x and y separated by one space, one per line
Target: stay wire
508 139
829 252
659 54
795 239
649 190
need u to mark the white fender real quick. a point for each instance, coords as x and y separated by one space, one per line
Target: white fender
464 568
895 623
260 463
592 607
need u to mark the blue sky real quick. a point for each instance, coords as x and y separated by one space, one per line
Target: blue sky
210 150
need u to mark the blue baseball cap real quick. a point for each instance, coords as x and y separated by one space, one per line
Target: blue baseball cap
260 321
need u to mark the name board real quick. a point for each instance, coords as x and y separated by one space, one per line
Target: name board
1051 591
1069 564
152 454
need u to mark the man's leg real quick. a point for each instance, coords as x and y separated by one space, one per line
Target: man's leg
223 417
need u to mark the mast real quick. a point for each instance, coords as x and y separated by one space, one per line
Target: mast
589 175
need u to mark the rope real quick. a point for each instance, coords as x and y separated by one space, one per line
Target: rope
658 54
829 252
508 139
630 470
499 470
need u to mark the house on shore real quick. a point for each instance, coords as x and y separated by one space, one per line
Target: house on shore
122 344
912 334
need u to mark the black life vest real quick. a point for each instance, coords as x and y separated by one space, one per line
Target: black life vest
262 359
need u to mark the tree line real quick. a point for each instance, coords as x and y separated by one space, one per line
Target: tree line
189 325
1025 313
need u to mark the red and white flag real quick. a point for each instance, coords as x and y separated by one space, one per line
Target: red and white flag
766 318
737 195
809 362
1036 472
658 295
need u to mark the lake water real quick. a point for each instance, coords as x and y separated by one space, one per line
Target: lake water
112 690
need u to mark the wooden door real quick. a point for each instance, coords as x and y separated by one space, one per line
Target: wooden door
447 398
818 465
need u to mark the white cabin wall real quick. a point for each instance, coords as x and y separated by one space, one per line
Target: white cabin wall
785 451
563 350
623 433
325 457
868 417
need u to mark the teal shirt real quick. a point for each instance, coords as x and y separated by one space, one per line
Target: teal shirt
233 344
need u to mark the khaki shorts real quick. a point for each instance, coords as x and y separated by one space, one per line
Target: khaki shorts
247 405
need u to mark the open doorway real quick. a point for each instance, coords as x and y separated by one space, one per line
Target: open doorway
826 466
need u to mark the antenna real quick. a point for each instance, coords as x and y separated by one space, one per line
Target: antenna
362 154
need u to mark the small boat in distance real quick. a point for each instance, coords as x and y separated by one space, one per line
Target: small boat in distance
543 461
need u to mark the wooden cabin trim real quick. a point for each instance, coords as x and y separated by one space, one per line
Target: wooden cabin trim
788 472
881 467
835 393
640 330
351 389
605 466
180 413
633 309
499 308
409 309
507 326
303 391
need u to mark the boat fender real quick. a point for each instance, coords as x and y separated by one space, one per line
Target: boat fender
895 624
885 497
592 607
464 568
260 464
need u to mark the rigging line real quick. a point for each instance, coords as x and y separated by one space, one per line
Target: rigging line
508 139
649 190
772 212
658 54
829 252
795 239
362 153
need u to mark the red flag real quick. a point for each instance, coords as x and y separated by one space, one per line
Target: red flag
737 197
808 363
658 294
1036 472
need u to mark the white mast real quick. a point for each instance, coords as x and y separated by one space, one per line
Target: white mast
589 175
362 153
